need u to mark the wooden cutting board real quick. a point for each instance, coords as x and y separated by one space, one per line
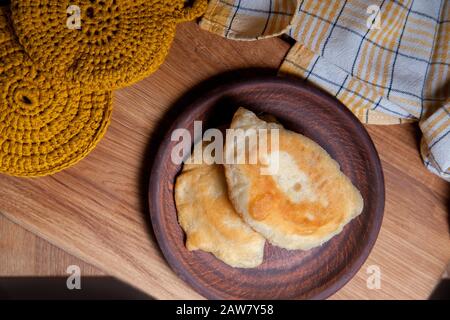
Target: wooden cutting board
98 210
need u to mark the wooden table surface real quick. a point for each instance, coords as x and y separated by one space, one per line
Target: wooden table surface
98 212
24 254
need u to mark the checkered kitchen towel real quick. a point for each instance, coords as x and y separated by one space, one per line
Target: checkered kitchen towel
386 60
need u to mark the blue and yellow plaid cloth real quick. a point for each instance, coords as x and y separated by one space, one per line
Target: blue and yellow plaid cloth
386 60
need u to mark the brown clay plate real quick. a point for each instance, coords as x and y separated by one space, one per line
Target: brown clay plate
313 274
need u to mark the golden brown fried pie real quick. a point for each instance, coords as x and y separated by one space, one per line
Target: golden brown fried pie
209 220
304 203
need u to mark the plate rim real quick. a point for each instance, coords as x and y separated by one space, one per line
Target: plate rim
156 169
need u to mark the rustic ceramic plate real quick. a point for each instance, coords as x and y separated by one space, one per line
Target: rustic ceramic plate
284 274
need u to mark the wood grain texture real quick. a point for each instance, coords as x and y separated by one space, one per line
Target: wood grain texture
24 254
98 210
284 274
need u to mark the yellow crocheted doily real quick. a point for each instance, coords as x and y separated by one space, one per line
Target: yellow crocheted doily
119 41
46 125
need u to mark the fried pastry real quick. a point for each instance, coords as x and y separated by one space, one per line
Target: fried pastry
302 204
209 220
